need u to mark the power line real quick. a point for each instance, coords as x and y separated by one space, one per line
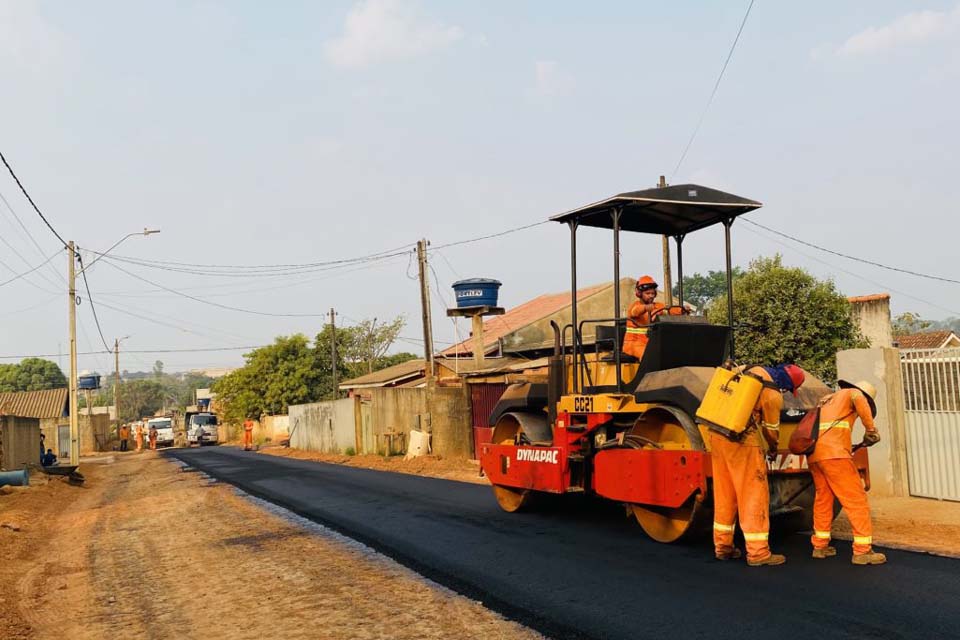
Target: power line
29 235
32 203
492 235
713 93
849 257
93 307
26 273
137 351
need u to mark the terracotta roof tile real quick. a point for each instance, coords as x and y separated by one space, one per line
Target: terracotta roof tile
927 340
51 403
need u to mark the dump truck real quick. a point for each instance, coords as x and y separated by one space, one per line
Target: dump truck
625 430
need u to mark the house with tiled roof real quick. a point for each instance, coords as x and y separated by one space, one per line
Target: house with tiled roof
944 339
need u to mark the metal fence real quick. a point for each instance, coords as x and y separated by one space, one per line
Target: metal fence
931 394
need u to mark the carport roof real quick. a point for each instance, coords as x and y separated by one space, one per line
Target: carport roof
49 403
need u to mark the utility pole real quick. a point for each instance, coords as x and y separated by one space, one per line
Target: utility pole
72 291
425 307
667 276
116 384
371 337
333 349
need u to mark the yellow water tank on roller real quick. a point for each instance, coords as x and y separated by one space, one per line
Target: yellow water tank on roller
729 401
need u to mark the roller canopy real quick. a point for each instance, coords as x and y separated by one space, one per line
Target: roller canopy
673 211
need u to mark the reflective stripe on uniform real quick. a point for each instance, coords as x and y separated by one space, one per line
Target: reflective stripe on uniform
840 424
636 331
728 528
771 427
862 539
823 535
755 537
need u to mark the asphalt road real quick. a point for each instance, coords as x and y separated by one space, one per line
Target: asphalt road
588 572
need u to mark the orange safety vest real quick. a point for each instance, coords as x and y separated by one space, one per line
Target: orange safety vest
638 322
837 417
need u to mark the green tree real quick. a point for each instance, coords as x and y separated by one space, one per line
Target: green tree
909 323
784 314
158 369
32 374
370 343
138 398
699 289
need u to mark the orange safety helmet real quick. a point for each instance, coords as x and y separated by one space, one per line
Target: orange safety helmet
796 376
646 283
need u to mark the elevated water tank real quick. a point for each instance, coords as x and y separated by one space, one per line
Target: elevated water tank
476 292
87 381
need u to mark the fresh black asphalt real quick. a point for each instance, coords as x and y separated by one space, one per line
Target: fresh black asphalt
582 570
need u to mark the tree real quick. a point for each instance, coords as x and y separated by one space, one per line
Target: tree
371 342
784 314
699 290
158 369
32 374
138 399
909 323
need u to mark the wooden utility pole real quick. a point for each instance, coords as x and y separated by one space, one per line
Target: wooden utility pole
333 349
72 292
425 307
667 276
116 383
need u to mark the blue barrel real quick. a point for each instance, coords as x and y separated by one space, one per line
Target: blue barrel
89 381
15 478
477 292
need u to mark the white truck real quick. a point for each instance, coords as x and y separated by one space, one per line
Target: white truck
202 429
164 427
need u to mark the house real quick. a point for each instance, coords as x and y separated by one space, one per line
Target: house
944 339
24 415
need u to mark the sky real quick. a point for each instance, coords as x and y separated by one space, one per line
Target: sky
257 133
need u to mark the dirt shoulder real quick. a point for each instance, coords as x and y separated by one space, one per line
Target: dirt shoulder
146 550
432 466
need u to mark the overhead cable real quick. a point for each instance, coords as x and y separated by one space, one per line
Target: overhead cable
26 273
716 85
32 203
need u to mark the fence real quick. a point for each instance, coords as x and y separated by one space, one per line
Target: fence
931 393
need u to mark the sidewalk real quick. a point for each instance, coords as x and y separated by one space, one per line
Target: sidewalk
914 524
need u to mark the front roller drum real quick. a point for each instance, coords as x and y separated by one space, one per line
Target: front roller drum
513 428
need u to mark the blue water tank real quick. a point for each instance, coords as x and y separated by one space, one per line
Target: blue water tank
477 292
89 381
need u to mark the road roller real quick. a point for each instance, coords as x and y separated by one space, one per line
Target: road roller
607 424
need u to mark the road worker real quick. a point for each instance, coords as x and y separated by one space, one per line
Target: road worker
124 437
835 475
740 489
153 437
248 435
139 436
642 314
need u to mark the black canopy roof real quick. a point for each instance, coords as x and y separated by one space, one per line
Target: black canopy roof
675 210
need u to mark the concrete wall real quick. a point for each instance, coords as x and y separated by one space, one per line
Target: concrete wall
19 442
327 427
272 428
97 433
872 315
888 458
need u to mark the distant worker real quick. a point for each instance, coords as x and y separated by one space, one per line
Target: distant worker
49 459
139 436
740 489
124 437
153 437
248 435
43 448
642 314
199 435
835 474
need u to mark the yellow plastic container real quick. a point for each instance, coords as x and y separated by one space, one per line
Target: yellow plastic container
729 401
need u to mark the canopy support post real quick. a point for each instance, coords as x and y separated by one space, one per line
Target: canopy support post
726 234
615 214
573 303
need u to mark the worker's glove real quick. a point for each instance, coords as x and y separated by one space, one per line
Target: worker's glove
871 438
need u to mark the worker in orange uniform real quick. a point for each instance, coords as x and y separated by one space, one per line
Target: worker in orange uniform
152 436
139 436
124 437
642 314
740 488
835 474
248 435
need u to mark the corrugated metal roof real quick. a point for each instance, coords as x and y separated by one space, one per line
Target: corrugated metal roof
384 377
50 403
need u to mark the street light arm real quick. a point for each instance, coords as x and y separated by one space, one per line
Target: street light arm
145 232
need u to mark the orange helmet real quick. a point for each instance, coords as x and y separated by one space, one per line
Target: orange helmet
646 283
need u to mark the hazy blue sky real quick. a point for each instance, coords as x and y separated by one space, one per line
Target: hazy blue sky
291 132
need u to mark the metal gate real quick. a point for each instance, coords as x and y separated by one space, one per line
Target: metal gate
931 394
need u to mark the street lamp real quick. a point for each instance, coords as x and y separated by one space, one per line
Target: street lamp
72 291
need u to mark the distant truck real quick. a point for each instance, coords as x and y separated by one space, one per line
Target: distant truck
164 427
202 429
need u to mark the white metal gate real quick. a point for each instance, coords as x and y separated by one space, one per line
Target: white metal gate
931 394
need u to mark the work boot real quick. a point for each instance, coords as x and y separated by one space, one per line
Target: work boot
826 552
772 559
732 555
871 557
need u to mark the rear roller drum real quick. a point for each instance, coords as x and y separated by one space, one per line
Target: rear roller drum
512 429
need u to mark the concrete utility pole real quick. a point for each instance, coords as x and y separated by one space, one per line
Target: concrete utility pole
425 306
667 276
333 349
72 292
